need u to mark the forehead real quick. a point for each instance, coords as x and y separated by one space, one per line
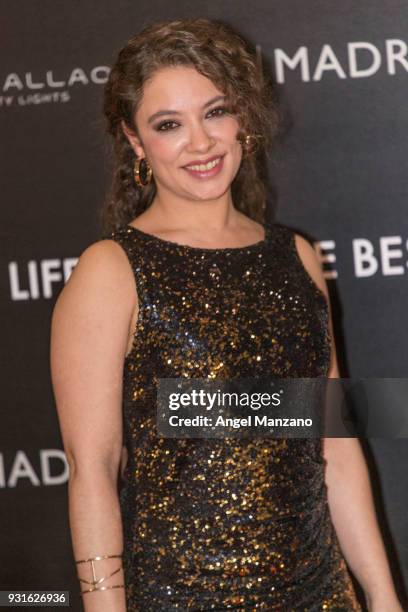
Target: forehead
177 88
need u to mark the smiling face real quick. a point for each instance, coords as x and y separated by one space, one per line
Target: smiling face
187 134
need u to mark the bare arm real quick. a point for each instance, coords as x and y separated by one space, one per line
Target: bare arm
89 339
349 491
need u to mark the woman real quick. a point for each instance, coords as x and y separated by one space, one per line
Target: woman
192 282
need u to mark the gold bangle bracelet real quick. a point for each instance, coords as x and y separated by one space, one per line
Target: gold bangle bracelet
114 586
99 558
96 582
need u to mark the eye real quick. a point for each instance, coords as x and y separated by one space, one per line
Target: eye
218 112
166 126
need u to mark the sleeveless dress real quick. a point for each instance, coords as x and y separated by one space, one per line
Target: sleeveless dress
230 524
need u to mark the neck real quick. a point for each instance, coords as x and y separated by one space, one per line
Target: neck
176 212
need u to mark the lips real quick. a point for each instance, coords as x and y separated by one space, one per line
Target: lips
204 165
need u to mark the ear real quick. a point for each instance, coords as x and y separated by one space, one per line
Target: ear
133 139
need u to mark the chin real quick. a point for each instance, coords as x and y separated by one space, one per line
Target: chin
204 197
209 193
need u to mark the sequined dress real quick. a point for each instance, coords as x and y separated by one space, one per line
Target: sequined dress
225 524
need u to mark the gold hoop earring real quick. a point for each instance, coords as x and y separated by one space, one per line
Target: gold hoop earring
249 143
142 172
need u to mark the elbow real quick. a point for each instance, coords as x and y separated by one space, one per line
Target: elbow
89 469
344 460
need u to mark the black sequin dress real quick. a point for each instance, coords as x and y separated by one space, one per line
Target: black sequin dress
230 524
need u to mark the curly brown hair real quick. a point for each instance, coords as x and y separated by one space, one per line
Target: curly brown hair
220 54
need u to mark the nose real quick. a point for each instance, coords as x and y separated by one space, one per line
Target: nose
199 139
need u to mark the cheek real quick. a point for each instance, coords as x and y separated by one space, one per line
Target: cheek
225 130
230 139
163 148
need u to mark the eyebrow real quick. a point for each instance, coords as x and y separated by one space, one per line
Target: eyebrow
173 112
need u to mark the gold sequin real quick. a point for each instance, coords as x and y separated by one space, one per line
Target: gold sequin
233 524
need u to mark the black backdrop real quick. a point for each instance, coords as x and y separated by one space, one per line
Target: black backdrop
338 176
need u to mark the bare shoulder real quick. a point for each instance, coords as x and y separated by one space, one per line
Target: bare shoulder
98 301
311 263
104 259
102 270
